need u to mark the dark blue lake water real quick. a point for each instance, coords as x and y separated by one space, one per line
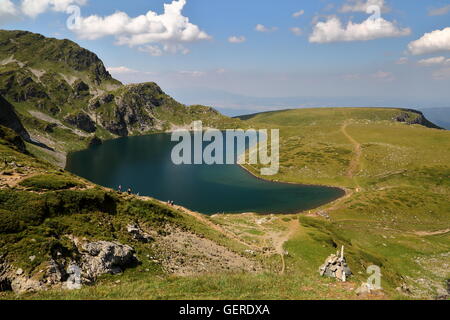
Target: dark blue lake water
144 164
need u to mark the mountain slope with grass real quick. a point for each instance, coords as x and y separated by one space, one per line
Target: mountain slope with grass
395 216
396 213
65 97
52 222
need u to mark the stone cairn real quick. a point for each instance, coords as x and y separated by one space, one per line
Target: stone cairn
335 266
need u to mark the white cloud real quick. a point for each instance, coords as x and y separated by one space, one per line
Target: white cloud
297 31
121 70
439 11
362 6
435 41
237 39
193 74
332 30
263 28
434 61
442 74
384 76
8 11
402 60
34 8
351 76
298 14
155 51
169 29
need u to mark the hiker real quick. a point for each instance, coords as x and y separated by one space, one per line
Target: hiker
120 188
129 191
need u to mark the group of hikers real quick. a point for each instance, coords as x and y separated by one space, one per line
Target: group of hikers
119 189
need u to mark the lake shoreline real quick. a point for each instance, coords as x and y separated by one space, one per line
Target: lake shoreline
346 191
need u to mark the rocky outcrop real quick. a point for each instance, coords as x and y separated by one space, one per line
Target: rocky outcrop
134 109
103 257
100 101
80 89
82 121
95 141
417 118
93 260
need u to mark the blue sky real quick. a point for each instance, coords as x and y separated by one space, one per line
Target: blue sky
255 55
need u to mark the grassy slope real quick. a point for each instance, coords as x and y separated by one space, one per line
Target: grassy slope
402 179
40 204
378 225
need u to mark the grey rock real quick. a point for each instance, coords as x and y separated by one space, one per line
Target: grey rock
138 234
74 281
104 257
82 121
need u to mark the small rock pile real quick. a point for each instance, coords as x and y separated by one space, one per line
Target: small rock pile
335 266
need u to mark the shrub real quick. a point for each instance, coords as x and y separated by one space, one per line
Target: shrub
50 182
21 209
9 222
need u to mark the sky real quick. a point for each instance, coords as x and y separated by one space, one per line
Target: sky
249 56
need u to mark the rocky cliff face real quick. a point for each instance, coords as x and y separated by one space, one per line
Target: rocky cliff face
416 118
9 119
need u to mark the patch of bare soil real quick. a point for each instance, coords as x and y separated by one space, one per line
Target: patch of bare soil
11 176
185 254
355 163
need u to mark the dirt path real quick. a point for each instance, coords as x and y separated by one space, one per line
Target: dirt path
280 238
277 239
355 163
